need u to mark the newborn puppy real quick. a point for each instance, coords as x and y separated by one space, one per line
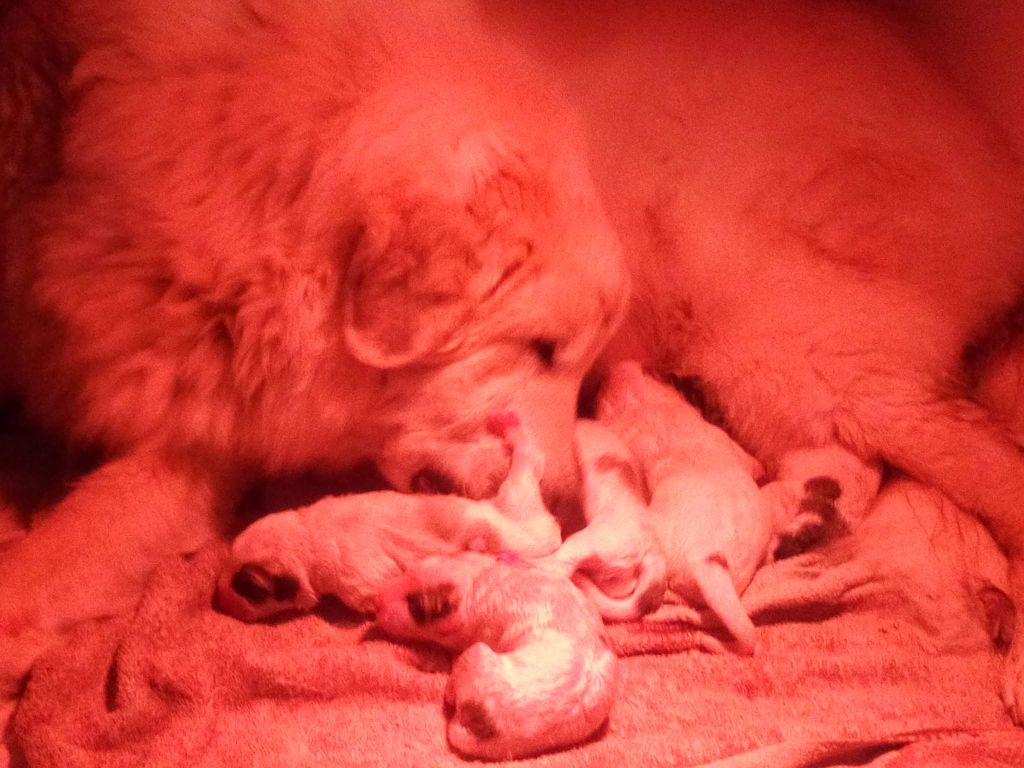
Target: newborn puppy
534 672
616 559
350 546
713 547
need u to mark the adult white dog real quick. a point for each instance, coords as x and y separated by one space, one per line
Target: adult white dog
818 225
285 236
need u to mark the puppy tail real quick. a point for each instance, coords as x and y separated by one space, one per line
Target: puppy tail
716 587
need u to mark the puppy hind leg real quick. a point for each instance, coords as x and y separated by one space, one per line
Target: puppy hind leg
519 498
718 592
957 446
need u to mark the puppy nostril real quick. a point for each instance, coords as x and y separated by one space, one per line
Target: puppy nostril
251 584
432 481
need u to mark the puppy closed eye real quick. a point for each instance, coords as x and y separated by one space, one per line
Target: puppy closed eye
544 349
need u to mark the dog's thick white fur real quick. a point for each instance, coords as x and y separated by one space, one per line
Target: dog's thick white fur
818 224
289 236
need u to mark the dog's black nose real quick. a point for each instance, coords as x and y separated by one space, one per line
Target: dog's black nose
433 481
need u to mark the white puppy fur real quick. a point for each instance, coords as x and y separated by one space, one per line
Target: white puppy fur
706 508
350 547
288 236
818 224
534 672
616 558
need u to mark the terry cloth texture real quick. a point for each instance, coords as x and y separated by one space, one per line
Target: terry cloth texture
865 659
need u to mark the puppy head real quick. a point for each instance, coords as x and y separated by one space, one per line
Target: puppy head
264 575
484 276
429 602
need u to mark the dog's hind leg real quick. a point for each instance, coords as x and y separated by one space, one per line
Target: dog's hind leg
89 556
957 446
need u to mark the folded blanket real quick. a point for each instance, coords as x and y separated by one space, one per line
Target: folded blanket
865 659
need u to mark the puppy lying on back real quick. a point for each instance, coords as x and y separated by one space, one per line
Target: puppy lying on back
616 558
818 224
285 237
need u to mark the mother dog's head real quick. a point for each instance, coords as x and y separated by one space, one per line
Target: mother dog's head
313 234
483 276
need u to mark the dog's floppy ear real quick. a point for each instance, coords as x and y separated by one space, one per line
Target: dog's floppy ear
405 294
414 278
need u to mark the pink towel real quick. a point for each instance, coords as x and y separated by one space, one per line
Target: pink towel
865 659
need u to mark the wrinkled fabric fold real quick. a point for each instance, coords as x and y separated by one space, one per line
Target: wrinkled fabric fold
855 667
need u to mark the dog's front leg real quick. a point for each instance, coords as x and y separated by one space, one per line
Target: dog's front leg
89 557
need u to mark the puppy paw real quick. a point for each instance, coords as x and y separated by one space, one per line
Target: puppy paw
527 463
473 726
